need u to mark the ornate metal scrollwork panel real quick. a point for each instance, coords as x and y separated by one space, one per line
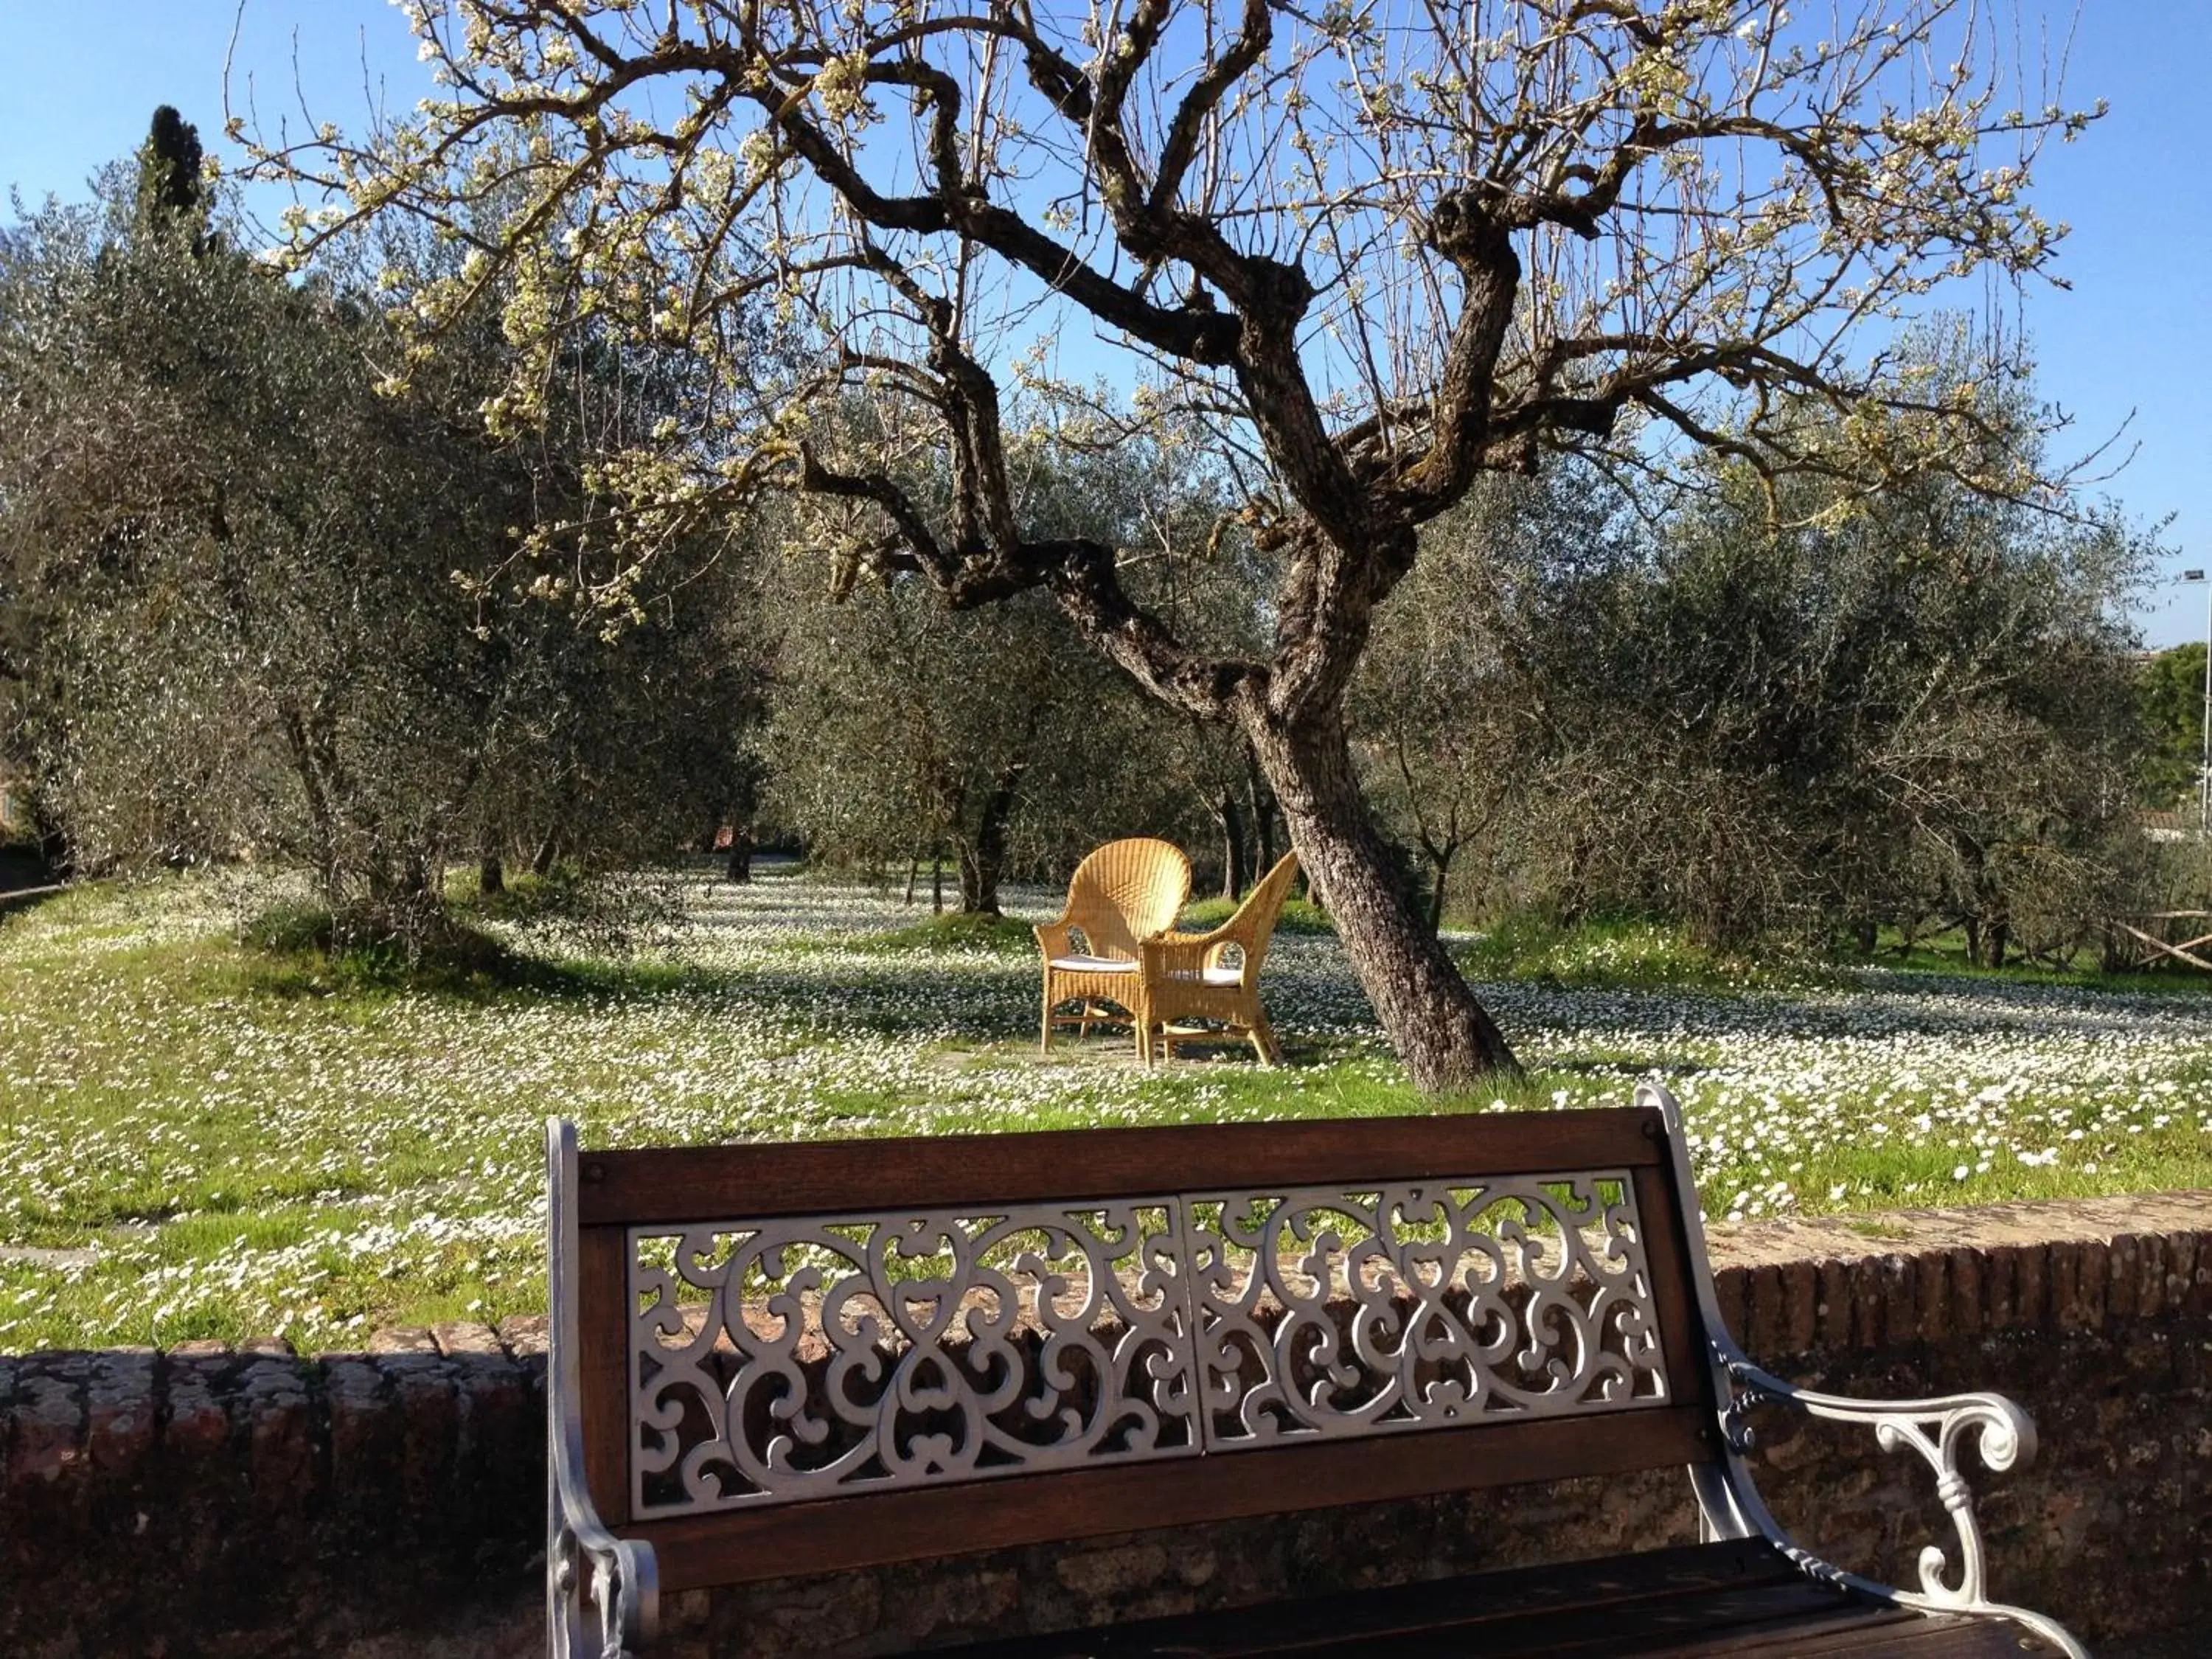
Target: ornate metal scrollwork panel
781 1360
1325 1312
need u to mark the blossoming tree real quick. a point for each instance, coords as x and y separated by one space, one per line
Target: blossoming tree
1370 248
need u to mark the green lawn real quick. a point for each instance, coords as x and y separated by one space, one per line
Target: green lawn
196 1140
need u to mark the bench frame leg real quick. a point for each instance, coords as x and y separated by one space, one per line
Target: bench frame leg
602 1593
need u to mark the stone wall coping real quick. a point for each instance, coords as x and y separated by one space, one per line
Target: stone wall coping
1978 1226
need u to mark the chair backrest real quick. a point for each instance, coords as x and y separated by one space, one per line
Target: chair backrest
836 1355
1127 891
1253 927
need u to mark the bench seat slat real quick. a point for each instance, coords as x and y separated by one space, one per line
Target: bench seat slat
1881 1633
1791 1614
1772 1626
915 1523
1510 1599
1740 1598
657 1184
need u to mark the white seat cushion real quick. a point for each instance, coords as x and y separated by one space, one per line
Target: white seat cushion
1093 965
1214 975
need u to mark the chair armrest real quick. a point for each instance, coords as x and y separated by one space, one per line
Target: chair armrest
1053 937
1938 1428
1179 953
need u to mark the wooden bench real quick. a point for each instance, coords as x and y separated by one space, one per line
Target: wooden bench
771 1360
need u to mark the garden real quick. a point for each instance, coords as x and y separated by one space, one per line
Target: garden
620 587
212 1137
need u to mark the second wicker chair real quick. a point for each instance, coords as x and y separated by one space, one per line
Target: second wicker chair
1194 975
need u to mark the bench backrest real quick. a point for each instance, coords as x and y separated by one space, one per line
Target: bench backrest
807 1358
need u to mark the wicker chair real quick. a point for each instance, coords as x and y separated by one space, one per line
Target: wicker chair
1122 895
1186 977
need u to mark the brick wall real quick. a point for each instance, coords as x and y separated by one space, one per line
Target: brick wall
373 1505
254 1502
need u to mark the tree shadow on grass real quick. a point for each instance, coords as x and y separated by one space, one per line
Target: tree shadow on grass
828 992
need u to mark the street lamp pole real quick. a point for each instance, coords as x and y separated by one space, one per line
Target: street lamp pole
2204 760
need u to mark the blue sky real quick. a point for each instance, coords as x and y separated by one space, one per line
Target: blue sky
2132 337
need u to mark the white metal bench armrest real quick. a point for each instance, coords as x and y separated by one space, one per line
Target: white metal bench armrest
592 1578
1938 1428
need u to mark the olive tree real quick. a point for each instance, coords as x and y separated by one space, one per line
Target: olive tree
1917 710
893 736
250 607
238 556
1456 714
902 730
1381 251
2170 700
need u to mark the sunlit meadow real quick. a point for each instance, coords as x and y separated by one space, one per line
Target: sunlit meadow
192 1145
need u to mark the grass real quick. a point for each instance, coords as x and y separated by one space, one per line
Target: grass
1627 952
290 948
959 930
242 1139
1946 953
1299 917
955 930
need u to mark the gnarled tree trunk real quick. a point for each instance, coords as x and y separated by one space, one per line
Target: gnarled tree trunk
1440 860
983 855
1235 875
1263 813
491 862
1445 1036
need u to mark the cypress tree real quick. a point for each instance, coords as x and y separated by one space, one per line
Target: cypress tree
169 180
